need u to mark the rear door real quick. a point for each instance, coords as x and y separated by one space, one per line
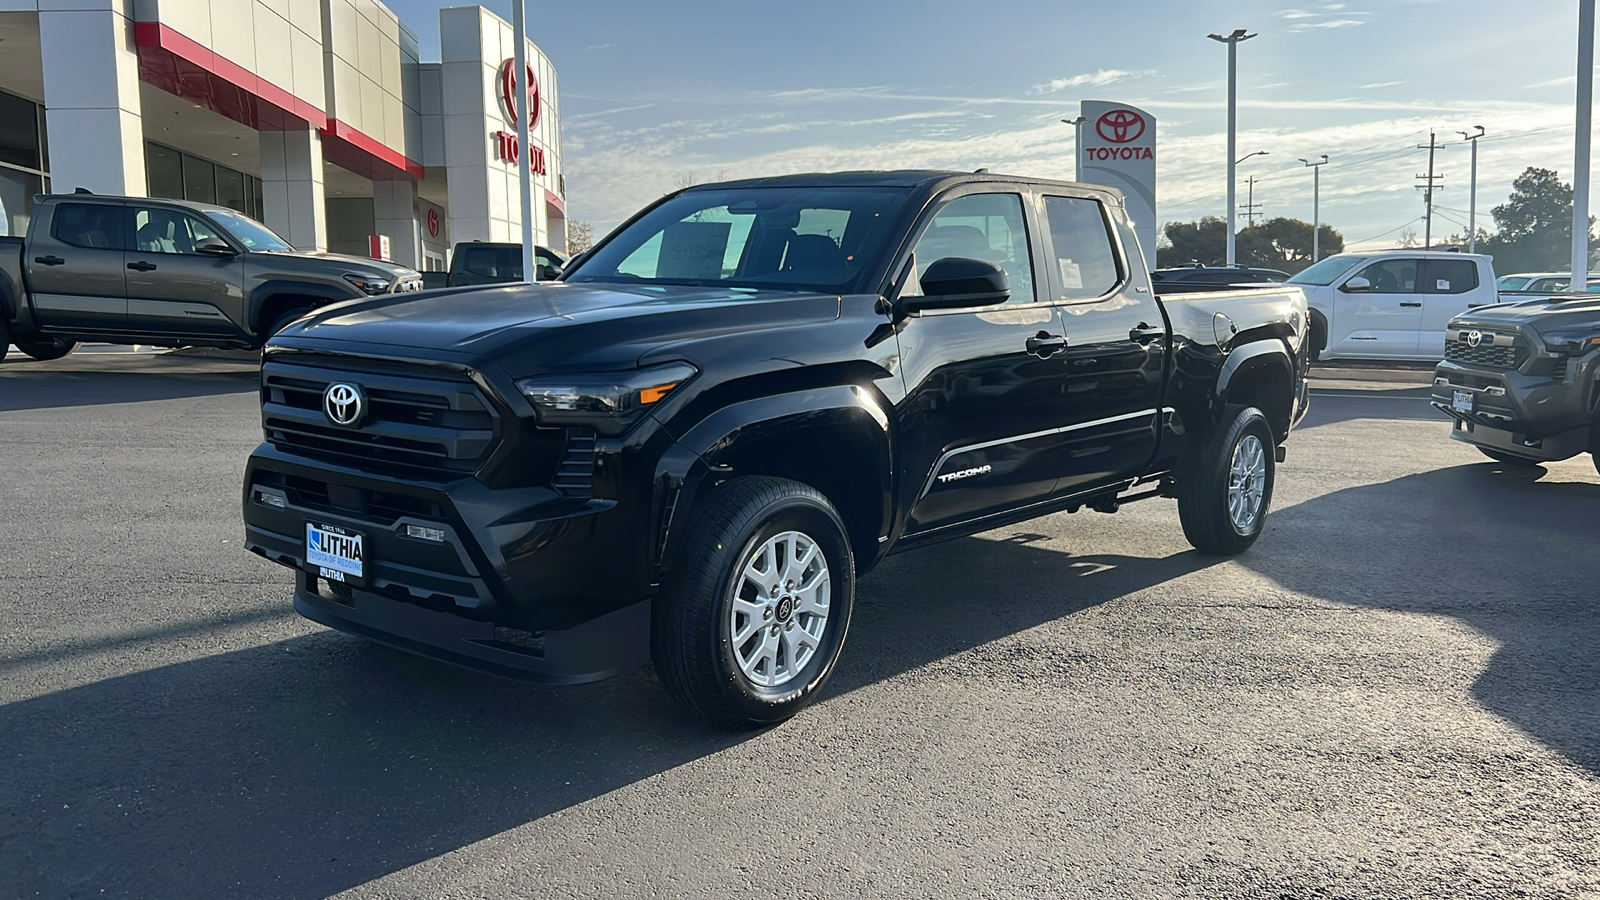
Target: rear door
1116 346
1383 320
75 267
1449 287
172 290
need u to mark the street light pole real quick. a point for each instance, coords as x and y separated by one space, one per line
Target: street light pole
1316 197
1077 146
520 90
1580 166
1472 191
1232 40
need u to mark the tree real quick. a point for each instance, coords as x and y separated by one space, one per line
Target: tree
1278 243
1535 225
580 236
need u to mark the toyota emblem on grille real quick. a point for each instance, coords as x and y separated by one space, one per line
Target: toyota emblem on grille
1473 338
344 404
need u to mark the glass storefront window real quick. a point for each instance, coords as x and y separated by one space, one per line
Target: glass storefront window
164 169
199 180
230 188
19 132
16 200
175 175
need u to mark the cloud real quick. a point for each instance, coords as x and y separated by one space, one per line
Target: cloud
593 47
1330 23
1097 78
1380 84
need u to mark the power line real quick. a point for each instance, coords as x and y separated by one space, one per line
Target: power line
1390 231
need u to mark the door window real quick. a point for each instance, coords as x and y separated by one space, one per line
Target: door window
989 227
1391 276
93 225
1086 259
1448 276
169 231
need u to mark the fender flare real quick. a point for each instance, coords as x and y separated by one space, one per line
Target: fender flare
691 466
267 290
1256 350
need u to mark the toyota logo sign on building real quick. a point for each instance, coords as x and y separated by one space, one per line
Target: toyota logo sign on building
508 93
1117 148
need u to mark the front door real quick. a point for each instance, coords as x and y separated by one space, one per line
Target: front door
174 291
1116 347
981 417
1449 287
75 268
1383 320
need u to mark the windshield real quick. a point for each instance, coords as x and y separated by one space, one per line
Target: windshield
1323 273
794 238
1512 282
247 231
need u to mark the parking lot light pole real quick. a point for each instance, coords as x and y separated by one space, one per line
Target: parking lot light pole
1580 167
1316 196
1472 191
519 79
1232 40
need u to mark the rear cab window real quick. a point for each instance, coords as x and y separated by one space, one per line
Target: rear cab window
1085 264
95 226
1448 276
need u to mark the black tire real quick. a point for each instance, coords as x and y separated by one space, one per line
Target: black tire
1204 492
5 335
693 626
1510 459
46 349
282 321
1318 338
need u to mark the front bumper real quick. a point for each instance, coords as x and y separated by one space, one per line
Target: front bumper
526 582
1546 416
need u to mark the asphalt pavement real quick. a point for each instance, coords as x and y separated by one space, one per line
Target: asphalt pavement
1396 693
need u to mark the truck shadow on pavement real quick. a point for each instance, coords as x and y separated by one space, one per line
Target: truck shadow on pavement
58 389
313 765
1492 546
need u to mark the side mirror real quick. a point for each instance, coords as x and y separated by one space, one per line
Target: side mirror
214 247
1356 285
548 272
957 282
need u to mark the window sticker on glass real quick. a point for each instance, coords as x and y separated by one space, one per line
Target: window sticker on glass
1442 284
1071 274
693 250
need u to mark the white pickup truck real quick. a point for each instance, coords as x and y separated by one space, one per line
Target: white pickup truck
1394 304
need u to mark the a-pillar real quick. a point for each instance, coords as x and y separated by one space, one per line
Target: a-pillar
93 120
394 213
292 197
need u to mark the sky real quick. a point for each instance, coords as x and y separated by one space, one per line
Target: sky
656 93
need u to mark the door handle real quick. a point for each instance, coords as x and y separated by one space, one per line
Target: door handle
1416 303
142 266
48 260
1044 344
1144 333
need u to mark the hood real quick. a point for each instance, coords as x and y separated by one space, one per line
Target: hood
1542 315
345 262
528 328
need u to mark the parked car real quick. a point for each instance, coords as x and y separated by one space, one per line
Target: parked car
486 262
1200 274
1520 379
1394 304
132 270
689 447
1546 283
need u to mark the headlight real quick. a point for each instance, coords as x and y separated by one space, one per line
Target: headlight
1573 343
608 401
369 284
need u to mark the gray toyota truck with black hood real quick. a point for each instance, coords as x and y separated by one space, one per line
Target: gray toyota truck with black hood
688 448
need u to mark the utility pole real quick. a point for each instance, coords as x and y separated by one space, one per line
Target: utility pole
1232 40
1472 201
1580 165
1250 205
1316 196
520 90
1428 188
1077 145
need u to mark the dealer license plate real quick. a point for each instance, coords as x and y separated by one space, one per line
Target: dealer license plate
1463 401
338 554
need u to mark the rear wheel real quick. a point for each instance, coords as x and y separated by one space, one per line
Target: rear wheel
1225 485
1318 337
754 614
45 349
1510 459
5 335
282 321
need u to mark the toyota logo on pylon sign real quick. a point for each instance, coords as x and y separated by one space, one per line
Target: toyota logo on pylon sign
1120 126
508 92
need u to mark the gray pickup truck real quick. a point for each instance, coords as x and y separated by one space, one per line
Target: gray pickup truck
1522 380
132 270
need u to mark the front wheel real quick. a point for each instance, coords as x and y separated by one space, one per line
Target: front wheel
754 614
46 349
1225 485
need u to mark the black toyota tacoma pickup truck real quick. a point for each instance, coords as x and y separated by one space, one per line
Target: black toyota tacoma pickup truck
1522 380
688 448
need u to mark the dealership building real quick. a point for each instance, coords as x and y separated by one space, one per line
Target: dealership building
315 116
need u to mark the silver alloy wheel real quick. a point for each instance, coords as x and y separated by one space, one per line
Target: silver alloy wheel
1247 483
780 608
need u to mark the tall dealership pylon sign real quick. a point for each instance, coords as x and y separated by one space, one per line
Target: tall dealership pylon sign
1117 148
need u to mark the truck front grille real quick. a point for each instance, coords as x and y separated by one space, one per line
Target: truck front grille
575 475
1492 350
421 421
